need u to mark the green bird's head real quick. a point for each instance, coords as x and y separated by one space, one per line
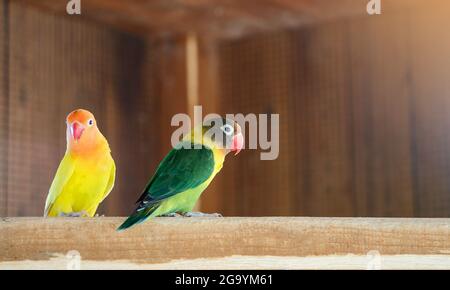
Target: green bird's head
220 134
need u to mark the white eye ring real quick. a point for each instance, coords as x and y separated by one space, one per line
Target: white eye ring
91 122
227 129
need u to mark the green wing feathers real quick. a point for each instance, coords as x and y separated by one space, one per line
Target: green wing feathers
182 169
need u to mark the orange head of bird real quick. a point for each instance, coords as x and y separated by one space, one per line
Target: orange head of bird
82 130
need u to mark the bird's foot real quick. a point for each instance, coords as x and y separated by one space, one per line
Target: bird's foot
200 214
73 214
97 215
173 214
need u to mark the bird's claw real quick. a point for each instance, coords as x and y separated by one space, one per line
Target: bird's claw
200 214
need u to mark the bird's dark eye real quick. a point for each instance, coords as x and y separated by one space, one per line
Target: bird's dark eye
91 122
227 129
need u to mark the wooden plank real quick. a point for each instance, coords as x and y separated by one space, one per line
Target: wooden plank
217 241
342 262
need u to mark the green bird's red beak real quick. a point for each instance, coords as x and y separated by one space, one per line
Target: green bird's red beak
237 143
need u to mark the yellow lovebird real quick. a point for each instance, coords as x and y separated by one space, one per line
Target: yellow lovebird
87 172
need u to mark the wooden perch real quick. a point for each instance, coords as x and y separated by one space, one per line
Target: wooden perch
268 242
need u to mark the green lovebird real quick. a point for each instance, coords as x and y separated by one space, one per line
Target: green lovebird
187 171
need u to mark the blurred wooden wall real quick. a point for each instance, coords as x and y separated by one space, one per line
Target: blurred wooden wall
364 104
52 65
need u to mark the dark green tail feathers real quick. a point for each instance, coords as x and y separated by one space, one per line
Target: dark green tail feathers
138 216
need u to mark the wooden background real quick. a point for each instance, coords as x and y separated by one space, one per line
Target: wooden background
364 102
